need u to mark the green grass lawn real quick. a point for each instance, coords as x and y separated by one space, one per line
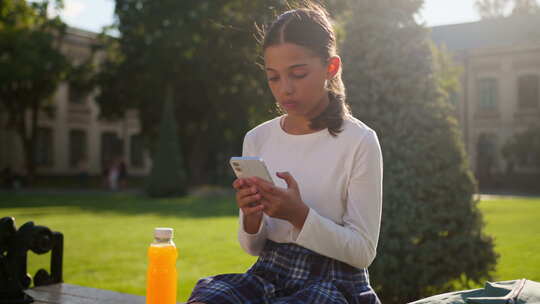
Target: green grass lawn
515 225
106 236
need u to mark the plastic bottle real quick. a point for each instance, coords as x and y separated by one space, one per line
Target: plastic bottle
161 277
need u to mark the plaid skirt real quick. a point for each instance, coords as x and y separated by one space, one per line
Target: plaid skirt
288 273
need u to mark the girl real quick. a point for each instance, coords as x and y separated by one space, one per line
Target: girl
315 232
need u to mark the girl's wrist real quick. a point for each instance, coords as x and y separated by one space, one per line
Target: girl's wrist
299 217
252 223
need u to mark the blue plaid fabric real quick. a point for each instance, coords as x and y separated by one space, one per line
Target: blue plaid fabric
288 273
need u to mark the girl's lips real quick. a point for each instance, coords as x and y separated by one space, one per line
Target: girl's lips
289 104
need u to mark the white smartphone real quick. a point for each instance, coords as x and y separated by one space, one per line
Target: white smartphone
249 166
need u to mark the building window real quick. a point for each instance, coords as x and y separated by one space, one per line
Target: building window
76 95
77 147
487 156
137 151
43 153
528 96
487 93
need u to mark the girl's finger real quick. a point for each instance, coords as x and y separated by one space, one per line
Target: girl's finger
246 192
271 199
251 210
270 193
267 206
246 201
289 179
266 186
239 183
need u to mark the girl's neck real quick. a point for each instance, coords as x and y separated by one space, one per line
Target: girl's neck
295 125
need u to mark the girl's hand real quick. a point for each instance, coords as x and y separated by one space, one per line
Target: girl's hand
282 203
247 197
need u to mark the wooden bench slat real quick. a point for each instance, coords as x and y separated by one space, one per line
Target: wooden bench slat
74 294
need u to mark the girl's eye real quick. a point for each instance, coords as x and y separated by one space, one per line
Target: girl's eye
299 76
272 79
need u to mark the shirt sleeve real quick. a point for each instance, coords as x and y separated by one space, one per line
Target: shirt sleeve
355 241
251 243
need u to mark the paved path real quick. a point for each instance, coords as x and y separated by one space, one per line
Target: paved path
494 196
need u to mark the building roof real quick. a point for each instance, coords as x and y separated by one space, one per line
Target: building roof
81 32
76 36
488 33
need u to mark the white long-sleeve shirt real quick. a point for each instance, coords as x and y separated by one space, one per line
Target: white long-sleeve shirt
340 180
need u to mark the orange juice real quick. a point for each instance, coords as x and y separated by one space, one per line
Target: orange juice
161 276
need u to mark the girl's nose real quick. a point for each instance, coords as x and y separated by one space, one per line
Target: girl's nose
287 87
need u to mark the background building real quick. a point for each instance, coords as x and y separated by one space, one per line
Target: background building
74 138
500 92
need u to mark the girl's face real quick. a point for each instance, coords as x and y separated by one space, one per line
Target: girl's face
297 78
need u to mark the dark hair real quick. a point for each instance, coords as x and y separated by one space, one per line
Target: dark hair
310 27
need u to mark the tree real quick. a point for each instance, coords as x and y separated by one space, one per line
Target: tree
168 175
525 7
31 67
447 74
489 9
207 51
523 149
431 231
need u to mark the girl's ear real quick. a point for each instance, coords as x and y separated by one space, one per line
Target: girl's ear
334 64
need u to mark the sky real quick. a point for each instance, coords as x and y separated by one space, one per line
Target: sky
92 15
